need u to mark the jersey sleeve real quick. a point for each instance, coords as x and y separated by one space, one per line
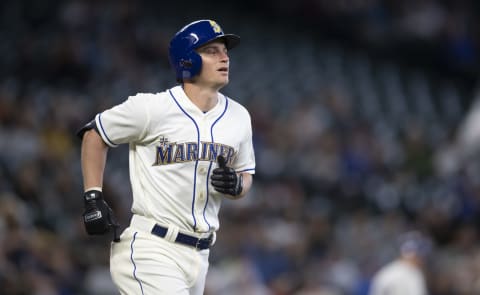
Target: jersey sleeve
246 154
125 122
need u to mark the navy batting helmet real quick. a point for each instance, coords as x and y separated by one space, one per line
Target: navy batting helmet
185 61
415 243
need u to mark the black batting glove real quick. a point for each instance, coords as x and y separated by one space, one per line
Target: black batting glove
225 180
98 216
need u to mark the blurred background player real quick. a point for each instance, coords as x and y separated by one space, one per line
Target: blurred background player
176 138
404 275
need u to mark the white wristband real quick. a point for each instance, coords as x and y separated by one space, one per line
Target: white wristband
94 188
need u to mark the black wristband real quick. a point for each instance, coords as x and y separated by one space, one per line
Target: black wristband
239 185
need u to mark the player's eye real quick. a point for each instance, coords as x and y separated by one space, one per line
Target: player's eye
209 50
212 50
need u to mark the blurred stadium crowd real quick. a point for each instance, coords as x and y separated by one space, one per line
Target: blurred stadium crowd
353 143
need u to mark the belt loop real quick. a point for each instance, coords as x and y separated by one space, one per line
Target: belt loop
214 238
172 233
198 244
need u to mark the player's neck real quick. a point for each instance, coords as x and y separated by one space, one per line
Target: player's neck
204 98
413 260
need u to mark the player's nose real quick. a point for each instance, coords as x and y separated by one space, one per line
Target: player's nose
224 55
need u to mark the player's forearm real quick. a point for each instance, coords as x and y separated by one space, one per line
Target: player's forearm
93 159
247 184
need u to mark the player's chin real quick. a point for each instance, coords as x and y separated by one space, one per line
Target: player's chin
223 75
223 81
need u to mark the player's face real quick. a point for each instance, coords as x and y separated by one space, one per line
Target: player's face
215 64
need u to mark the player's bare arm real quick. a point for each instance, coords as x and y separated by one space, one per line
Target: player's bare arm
98 217
93 159
247 184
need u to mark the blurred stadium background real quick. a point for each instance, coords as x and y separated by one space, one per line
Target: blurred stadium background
359 109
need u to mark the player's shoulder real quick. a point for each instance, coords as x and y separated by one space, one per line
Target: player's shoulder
147 97
236 106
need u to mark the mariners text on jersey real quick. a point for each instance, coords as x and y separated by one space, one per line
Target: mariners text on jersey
172 152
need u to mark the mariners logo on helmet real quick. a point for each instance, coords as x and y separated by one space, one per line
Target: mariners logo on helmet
216 28
186 62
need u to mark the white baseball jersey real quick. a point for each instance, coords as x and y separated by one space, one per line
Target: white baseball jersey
173 147
399 278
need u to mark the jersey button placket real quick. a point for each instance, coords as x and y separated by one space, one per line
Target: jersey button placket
201 183
199 203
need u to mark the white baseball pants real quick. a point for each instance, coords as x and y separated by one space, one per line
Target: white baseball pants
145 264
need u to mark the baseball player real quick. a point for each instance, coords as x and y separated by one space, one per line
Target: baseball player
405 274
189 147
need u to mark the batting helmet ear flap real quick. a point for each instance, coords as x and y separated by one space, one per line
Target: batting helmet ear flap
189 65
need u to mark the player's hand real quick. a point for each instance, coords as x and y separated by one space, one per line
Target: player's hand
225 180
98 216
